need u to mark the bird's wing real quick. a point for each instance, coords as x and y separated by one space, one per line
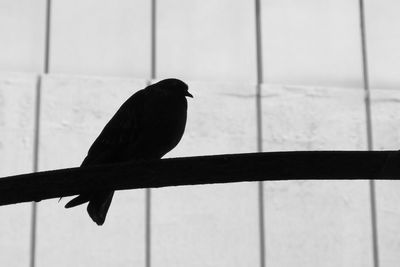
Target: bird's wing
109 146
119 132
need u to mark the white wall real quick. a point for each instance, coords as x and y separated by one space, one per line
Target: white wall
17 104
312 99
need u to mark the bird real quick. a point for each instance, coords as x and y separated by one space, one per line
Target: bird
147 126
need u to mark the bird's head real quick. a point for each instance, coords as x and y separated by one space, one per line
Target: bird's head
172 87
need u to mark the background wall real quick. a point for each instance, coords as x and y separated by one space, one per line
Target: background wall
312 98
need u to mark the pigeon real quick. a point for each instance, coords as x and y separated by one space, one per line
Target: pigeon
147 126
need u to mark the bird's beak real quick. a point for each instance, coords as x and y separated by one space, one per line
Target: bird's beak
188 94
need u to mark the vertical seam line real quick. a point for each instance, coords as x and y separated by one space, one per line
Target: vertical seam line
375 245
34 210
148 190
259 128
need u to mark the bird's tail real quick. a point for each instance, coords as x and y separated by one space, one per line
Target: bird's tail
98 206
99 203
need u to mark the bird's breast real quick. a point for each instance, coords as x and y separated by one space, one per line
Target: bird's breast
161 129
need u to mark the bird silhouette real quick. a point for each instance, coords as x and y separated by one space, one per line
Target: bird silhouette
147 126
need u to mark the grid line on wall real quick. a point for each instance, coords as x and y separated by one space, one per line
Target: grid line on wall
260 80
368 114
46 66
153 60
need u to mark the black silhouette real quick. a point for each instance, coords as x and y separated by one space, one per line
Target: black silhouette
147 126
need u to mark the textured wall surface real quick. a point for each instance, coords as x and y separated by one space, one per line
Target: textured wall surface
316 223
385 116
220 120
74 111
312 98
17 105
